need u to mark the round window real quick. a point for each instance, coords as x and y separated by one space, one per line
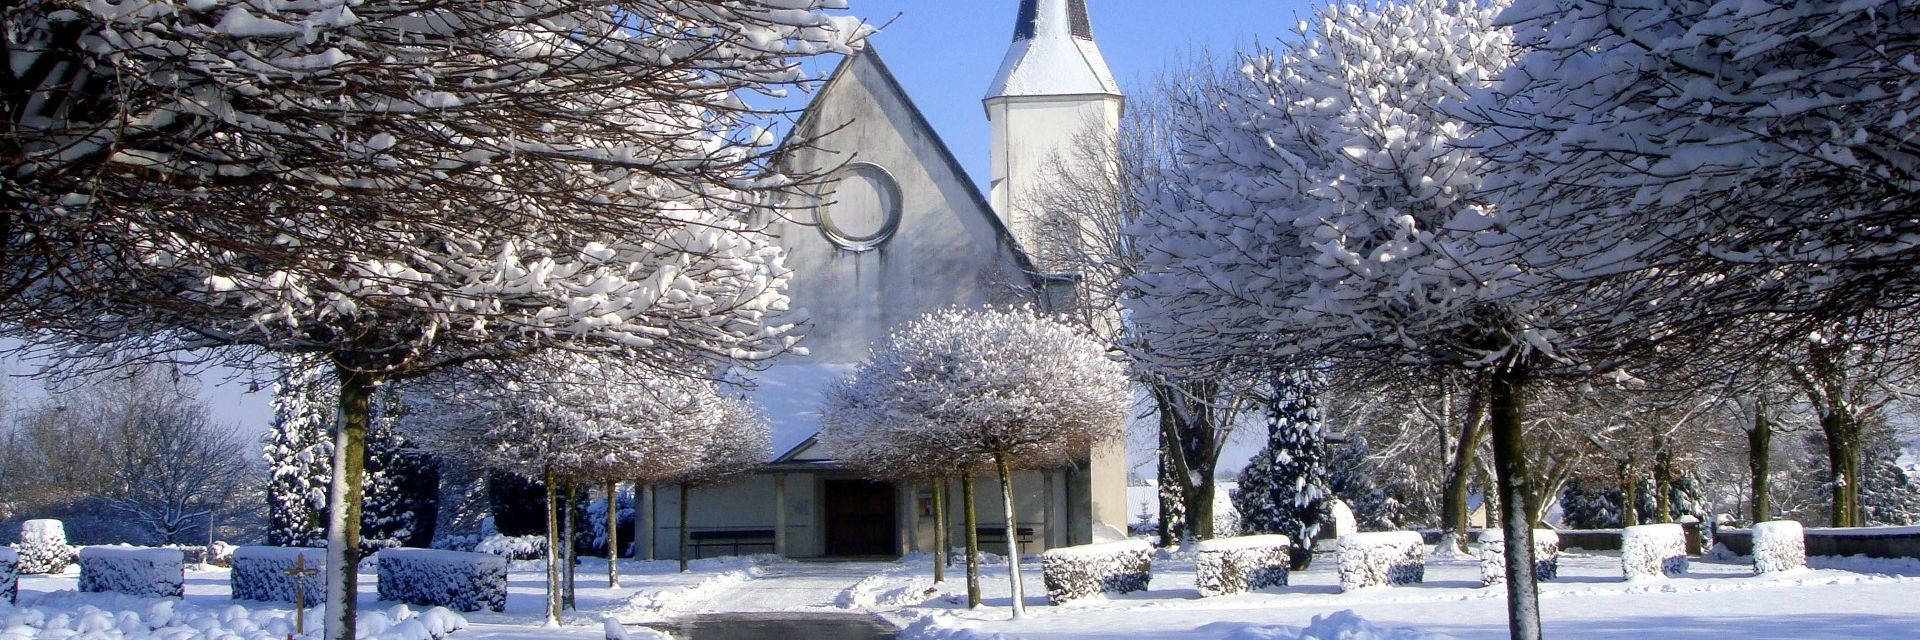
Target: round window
861 207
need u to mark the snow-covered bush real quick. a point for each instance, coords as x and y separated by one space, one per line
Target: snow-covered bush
453 579
139 571
1493 559
9 575
533 547
260 573
1653 551
1091 569
1384 558
1234 565
1779 545
43 547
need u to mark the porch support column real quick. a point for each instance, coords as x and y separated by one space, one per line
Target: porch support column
1047 505
780 514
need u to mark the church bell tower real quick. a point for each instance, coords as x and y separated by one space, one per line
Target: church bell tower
1053 90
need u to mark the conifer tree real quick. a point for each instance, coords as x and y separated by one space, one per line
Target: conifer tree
298 452
1285 488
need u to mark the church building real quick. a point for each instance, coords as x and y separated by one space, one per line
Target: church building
900 230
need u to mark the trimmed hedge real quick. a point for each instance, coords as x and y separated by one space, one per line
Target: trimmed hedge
1382 559
1779 545
1092 569
456 580
138 571
1493 558
9 576
260 573
1653 551
1225 566
43 547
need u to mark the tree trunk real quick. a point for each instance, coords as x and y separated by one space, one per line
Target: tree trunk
569 501
939 531
345 492
973 540
651 511
1172 501
1509 454
1013 540
1629 495
683 528
1455 516
1759 450
1663 486
1843 459
553 549
613 535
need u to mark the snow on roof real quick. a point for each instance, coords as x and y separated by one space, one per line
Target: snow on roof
790 396
1053 54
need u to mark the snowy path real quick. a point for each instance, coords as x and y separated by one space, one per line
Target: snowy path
793 586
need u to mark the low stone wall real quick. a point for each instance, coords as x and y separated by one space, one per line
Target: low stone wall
1873 542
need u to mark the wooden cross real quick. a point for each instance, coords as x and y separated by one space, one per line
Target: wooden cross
299 572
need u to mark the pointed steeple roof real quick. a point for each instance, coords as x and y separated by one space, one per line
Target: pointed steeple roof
1053 53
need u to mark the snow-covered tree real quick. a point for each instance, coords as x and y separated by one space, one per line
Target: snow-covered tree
1705 161
735 441
1005 385
1343 223
580 418
1284 489
399 188
401 481
298 452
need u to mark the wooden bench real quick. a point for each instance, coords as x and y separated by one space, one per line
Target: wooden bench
998 535
732 539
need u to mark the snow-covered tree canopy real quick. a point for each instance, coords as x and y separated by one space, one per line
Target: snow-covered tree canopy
961 385
1705 160
589 418
1326 210
394 178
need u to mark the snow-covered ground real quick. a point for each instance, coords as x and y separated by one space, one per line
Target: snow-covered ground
650 591
1840 598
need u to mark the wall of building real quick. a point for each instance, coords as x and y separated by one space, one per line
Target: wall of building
946 250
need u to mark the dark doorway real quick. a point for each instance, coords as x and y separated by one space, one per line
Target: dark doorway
860 517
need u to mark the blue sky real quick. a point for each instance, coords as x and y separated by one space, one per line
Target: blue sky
944 53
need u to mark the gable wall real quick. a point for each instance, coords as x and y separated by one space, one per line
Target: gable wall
946 250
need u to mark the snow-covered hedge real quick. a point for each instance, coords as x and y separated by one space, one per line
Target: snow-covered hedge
1653 551
1235 565
92 617
457 580
1090 569
9 576
1779 545
260 573
138 571
43 547
531 547
1493 558
1384 558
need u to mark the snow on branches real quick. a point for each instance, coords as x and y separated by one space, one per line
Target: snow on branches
590 418
1713 159
961 387
1334 213
957 386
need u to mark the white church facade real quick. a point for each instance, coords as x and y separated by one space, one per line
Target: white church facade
900 230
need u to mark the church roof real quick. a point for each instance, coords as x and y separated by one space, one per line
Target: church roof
1053 53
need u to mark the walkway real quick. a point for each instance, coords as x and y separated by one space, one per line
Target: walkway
787 601
780 625
793 586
